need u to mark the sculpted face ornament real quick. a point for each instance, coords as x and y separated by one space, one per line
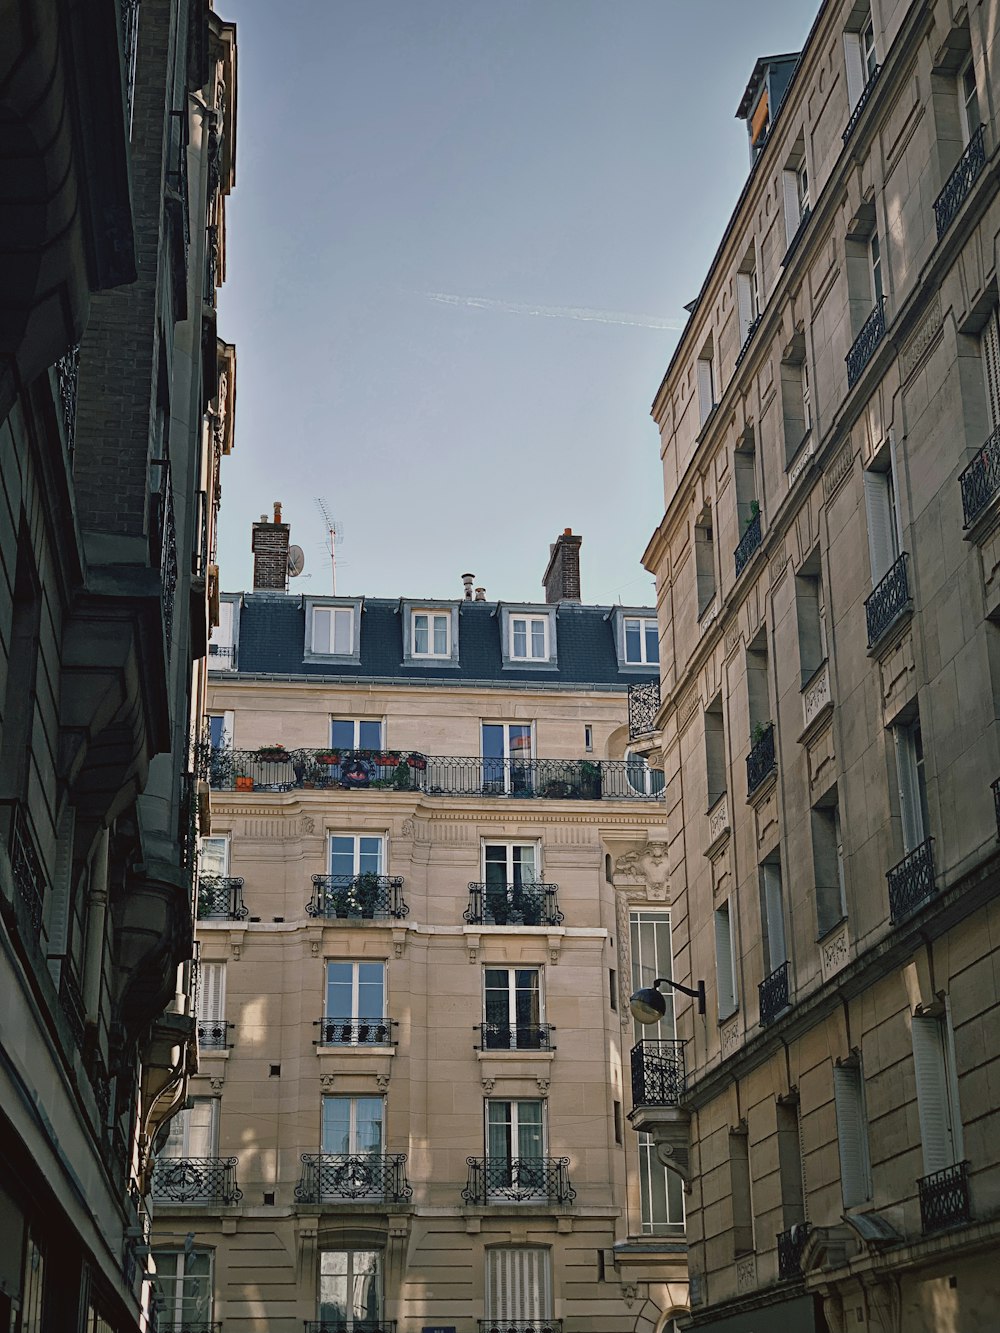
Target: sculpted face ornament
651 865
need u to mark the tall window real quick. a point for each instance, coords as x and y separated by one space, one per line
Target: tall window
852 1133
349 733
772 914
704 560
431 634
518 1285
828 864
214 856
883 517
968 100
355 854
795 190
989 350
333 630
529 638
194 1132
514 1129
910 772
810 612
796 398
715 750
512 1008
184 1282
725 962
937 1092
747 295
221 646
860 58
510 864
661 1193
741 1189
212 1031
350 1289
507 748
352 1125
790 1162
355 1003
642 642
875 254
706 383
649 937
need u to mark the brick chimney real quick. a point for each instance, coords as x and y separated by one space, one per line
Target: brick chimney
562 574
270 553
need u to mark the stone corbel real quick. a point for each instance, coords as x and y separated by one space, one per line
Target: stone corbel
398 943
543 1085
555 944
326 1082
236 944
629 1292
488 1085
473 943
382 1081
216 1081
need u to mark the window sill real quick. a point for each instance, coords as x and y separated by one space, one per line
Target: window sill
336 1049
508 1056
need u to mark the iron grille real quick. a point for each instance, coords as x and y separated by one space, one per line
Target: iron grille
521 1037
643 706
520 1326
518 1180
790 1247
752 328
67 377
960 182
529 904
71 1001
772 994
762 759
862 102
658 1076
366 897
863 347
944 1198
355 1032
26 867
196 1180
220 898
214 1036
981 480
751 539
130 35
911 882
330 1176
888 600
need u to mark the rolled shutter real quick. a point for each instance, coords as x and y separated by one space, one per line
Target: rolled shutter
212 993
744 299
706 391
518 1284
724 961
909 795
777 953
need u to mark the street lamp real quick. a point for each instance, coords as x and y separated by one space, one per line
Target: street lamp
649 1006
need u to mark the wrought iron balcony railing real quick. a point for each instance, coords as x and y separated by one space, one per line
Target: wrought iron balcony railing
355 1032
643 706
751 539
944 1198
340 1325
196 1180
863 347
888 600
862 102
960 182
71 1001
26 866
278 770
980 481
329 1177
772 994
186 1326
752 328
911 882
67 377
520 1326
995 786
366 897
762 759
790 1247
513 905
214 1036
521 1037
658 1076
518 1180
222 656
220 898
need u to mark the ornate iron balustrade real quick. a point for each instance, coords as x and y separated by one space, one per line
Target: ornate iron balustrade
751 539
960 182
211 264
368 897
911 882
26 867
327 1177
520 1037
861 103
196 1180
518 1180
888 600
981 480
643 706
187 1327
944 1198
220 898
791 1245
355 1326
772 994
67 377
752 328
71 1001
658 1074
520 1326
355 1032
513 905
225 654
215 1036
863 346
995 785
761 760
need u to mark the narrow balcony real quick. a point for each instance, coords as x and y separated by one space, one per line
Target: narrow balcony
980 481
791 1245
959 184
522 1037
513 905
188 1326
366 897
214 1036
772 994
863 347
340 1325
749 542
804 217
221 657
643 706
355 1032
200 1181
336 1177
220 898
944 1198
658 1075
887 602
520 1326
762 760
911 882
71 1000
752 328
26 866
861 103
518 1180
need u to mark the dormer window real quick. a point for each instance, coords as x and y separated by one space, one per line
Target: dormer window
333 629
431 634
529 638
642 644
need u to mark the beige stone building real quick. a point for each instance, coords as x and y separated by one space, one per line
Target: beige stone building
827 712
428 837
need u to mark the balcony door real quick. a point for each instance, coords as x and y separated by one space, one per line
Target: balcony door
184 1282
355 1003
352 1125
350 1289
194 1132
513 1009
515 1147
352 854
518 1285
509 871
507 752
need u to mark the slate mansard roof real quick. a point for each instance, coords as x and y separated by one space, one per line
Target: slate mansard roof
271 641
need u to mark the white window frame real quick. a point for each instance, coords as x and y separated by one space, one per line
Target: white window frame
509 845
644 622
352 1278
183 1137
968 129
211 993
515 1103
511 970
354 1150
356 723
319 606
705 370
531 614
226 842
875 262
646 967
855 60
882 507
431 616
651 1167
345 833
772 903
175 1312
355 1015
725 960
529 622
852 1132
912 782
989 351
337 615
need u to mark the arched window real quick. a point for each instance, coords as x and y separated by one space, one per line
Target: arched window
643 780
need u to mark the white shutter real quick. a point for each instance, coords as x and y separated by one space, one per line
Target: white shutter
706 394
909 793
744 296
724 961
212 993
855 67
777 953
881 522
519 1287
989 345
793 213
933 1103
852 1134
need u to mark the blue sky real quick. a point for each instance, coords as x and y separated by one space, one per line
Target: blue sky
458 253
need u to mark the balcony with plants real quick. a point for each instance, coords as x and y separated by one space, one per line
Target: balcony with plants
364 897
527 903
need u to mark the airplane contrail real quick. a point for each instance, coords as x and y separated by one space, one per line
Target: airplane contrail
557 311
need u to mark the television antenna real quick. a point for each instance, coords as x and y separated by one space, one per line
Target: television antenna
334 534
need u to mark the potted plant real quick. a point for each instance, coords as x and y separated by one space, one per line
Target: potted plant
244 782
760 730
387 758
367 895
272 754
402 779
328 757
417 762
590 779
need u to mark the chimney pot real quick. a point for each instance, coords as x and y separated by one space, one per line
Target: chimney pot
480 594
468 580
277 511
561 579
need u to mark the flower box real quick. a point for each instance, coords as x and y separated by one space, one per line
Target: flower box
244 784
417 761
272 754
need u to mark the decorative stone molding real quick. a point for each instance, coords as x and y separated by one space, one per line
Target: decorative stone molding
821 758
837 471
649 866
746 1273
718 820
236 947
382 1082
687 707
899 678
307 824
816 694
473 943
732 638
543 1086
799 464
216 1081
398 943
407 828
777 567
624 958
326 1081
919 344
488 1085
314 947
729 1035
766 813
629 1293
834 951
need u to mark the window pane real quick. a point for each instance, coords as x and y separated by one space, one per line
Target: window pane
498 1131
370 859
339 990
524 865
341 855
420 634
441 635
368 1137
527 997
321 630
365 1296
520 634
369 735
633 641
538 638
529 1129
342 733
342 626
519 741
217 731
652 642
215 856
496 864
336 1127
371 990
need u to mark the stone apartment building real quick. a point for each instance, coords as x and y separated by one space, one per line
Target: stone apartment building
116 406
433 865
826 715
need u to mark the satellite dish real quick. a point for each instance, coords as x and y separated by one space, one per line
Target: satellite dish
296 560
